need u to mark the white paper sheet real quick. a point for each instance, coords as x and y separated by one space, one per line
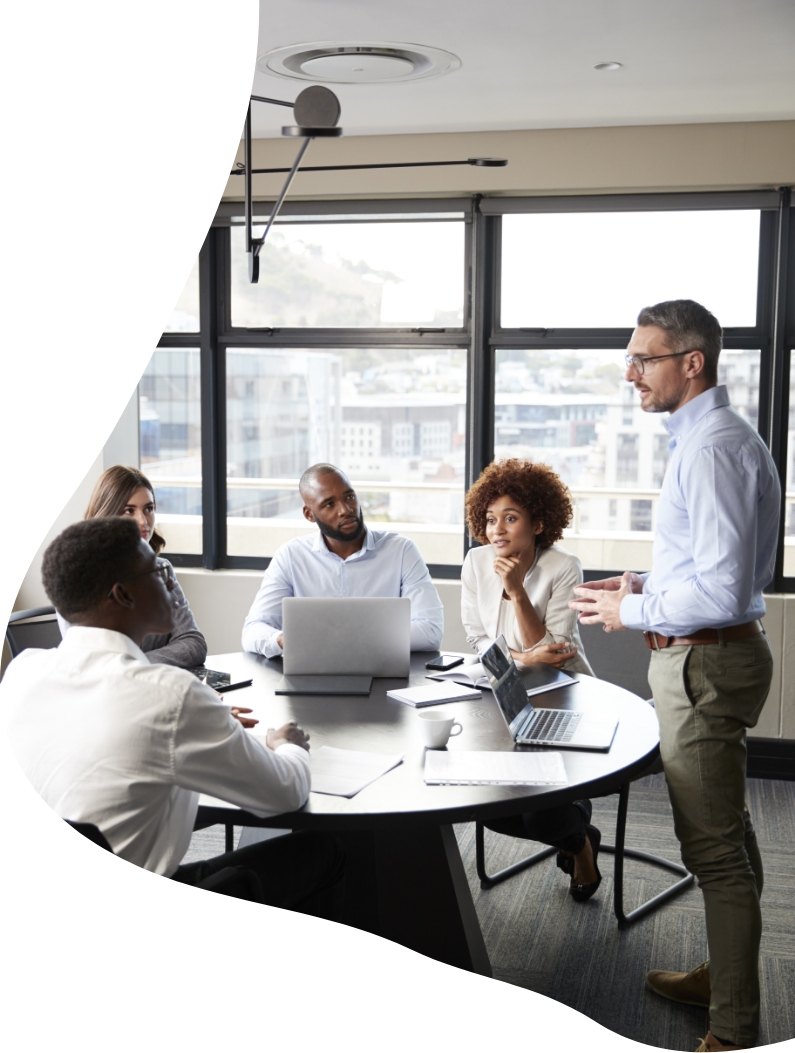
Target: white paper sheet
343 773
472 768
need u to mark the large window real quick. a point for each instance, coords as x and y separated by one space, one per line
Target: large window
360 273
170 444
394 421
411 343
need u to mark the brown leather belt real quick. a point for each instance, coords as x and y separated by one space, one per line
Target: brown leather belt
732 633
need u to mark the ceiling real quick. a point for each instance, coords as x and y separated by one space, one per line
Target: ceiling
529 63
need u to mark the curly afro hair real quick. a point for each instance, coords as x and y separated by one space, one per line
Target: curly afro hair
535 487
83 563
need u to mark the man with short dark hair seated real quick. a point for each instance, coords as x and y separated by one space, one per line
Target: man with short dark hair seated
345 558
106 738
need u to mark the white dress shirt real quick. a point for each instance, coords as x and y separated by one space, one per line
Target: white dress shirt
386 565
549 584
717 524
107 738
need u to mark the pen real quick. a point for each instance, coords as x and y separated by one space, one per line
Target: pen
233 687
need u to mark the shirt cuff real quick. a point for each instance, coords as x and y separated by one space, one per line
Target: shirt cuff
269 646
631 611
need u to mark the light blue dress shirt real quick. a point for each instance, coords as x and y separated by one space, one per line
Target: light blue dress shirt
717 524
386 565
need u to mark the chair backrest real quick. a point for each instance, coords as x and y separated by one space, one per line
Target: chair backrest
622 658
92 832
37 627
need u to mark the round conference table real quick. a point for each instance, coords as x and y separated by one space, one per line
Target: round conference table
405 877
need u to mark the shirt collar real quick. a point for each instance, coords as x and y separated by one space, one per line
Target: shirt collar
91 638
686 417
319 544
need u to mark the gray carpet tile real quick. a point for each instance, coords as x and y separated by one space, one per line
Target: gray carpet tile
540 939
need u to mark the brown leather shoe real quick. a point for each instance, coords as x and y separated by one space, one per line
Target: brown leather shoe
689 988
710 1044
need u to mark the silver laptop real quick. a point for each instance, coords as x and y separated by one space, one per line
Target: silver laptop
529 726
352 636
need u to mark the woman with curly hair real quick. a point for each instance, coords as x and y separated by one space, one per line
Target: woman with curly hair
518 585
125 491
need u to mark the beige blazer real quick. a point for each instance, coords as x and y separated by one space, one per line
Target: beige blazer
549 585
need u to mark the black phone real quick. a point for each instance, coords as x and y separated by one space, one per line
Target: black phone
444 661
213 677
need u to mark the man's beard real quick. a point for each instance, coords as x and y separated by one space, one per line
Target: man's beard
342 535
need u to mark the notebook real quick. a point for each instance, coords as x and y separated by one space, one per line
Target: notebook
536 678
485 768
433 694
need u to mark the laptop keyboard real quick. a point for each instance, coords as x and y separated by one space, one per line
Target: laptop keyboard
550 725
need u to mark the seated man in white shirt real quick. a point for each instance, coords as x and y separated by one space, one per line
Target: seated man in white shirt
345 558
109 739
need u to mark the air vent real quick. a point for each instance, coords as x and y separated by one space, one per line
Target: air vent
360 62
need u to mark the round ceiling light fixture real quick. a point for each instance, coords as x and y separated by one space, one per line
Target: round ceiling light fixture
608 65
359 62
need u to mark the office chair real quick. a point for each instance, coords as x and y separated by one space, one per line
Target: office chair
36 627
238 882
621 659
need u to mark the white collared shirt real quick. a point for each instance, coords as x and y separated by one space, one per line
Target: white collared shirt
107 738
386 565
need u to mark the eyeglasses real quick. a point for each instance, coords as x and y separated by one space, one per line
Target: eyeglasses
161 567
639 364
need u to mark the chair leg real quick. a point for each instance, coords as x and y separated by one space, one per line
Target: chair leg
488 881
621 852
229 842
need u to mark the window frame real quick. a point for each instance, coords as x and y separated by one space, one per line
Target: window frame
481 334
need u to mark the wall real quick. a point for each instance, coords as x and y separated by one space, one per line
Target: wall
558 161
220 601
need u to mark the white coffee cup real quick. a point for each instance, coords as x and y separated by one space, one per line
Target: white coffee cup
437 728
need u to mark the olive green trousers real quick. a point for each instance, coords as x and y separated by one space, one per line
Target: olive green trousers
706 697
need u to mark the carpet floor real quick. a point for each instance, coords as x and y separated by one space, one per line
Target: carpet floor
539 938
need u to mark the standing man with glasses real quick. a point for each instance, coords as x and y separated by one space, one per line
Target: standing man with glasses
711 666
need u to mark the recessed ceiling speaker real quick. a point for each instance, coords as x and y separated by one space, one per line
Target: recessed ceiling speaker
359 62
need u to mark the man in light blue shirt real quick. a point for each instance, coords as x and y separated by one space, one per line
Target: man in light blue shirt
344 558
714 552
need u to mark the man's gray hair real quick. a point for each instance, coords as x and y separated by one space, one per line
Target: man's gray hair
688 327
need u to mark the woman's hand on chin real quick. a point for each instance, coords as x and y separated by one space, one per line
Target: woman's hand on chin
556 654
509 569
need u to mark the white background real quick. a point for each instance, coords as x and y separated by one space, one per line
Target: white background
98 954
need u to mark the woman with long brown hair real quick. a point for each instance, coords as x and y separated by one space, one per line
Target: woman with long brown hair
518 585
126 491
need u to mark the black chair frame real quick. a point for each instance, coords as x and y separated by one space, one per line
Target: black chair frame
237 882
619 850
37 616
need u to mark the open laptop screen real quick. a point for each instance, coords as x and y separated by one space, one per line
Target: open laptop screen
503 676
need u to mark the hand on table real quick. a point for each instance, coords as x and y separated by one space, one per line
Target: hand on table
599 602
556 654
247 722
287 733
